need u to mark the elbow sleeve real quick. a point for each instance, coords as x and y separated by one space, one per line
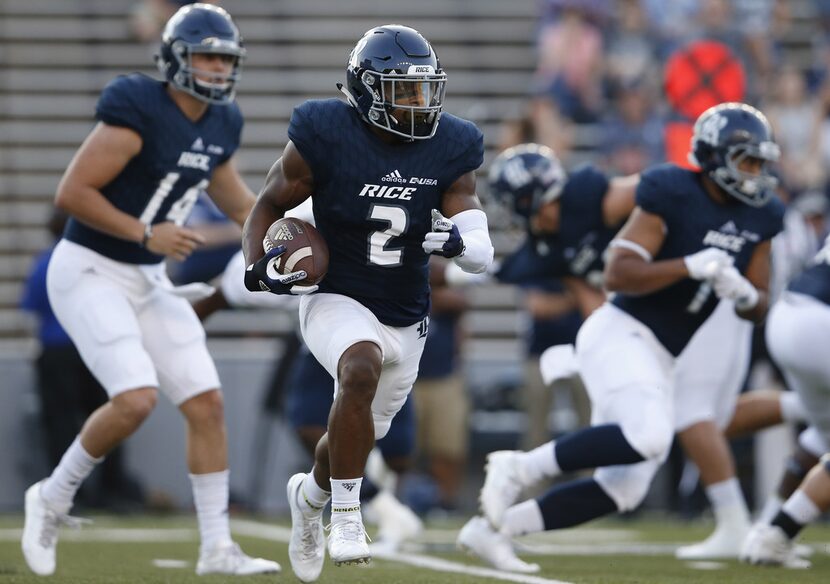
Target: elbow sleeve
478 250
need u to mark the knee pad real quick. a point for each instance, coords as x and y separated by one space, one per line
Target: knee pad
650 432
628 484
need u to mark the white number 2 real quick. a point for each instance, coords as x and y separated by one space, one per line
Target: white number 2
181 208
398 221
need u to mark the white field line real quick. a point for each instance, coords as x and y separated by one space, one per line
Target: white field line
118 535
282 534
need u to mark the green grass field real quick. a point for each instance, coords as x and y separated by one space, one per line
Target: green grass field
121 550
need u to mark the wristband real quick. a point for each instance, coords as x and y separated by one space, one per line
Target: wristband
148 233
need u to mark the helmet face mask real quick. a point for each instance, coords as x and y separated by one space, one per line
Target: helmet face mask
395 82
201 29
728 135
526 177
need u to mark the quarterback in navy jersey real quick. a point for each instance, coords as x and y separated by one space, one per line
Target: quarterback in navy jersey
798 333
688 243
383 175
128 191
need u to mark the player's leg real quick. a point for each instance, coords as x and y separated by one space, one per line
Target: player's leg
391 458
175 339
345 337
108 337
810 448
762 408
797 335
708 378
626 373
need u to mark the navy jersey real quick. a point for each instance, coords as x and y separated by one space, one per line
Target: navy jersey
694 221
372 202
577 249
815 280
177 158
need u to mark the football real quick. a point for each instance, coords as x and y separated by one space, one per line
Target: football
305 249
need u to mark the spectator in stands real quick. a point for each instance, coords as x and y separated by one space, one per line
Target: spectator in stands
442 405
69 392
554 320
147 17
571 60
632 133
797 120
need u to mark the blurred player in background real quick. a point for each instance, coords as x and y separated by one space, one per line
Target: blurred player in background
710 372
128 190
383 173
798 333
669 266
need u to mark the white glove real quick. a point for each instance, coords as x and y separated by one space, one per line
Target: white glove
444 239
730 284
707 263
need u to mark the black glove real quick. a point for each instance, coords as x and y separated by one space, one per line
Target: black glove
258 276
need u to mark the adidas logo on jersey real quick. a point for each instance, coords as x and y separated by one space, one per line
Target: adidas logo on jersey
198 145
393 176
284 234
729 227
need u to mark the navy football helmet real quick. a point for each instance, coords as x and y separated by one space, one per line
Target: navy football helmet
525 177
395 82
725 135
200 28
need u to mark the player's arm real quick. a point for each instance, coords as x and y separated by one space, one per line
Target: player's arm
230 193
758 273
630 268
465 236
586 297
619 201
289 183
102 157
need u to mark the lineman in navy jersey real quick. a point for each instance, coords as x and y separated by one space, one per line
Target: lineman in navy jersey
709 374
696 225
129 190
382 173
798 334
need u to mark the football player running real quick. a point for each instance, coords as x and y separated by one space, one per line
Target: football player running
798 330
692 239
383 175
128 190
570 221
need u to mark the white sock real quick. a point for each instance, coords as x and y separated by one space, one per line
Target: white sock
771 509
60 488
526 517
539 463
312 497
792 409
728 502
345 498
801 508
210 495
